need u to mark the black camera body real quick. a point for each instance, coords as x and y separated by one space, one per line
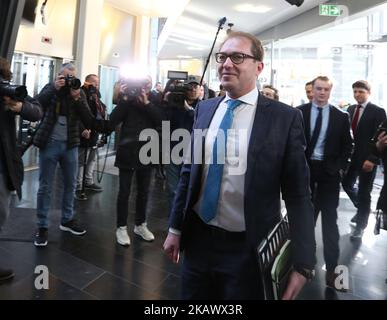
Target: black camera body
134 87
177 88
72 82
15 92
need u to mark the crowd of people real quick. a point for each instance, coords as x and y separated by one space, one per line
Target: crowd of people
304 154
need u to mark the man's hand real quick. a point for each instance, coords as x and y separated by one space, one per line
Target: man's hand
172 247
59 82
295 284
14 106
86 133
382 142
75 94
368 166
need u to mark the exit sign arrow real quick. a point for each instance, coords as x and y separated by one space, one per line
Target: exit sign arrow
330 10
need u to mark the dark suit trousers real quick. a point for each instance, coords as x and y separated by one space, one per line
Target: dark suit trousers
325 195
361 195
143 176
219 265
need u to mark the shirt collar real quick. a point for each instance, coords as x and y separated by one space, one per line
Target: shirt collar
249 98
316 106
363 105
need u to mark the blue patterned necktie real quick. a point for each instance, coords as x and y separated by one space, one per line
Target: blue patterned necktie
215 170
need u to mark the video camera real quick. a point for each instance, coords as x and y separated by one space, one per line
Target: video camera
15 92
72 82
177 88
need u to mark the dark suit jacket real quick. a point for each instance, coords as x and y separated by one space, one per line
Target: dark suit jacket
338 144
276 162
372 117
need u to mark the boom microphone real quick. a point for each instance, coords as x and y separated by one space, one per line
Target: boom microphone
222 21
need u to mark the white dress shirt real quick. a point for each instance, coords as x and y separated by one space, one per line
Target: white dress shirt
230 212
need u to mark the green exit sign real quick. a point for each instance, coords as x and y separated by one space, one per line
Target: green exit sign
330 10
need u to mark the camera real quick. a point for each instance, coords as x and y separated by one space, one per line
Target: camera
133 87
72 82
17 93
90 88
177 88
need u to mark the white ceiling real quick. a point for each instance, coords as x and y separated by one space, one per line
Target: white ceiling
193 24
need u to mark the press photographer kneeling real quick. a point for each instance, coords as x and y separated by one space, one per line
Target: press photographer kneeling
136 113
13 101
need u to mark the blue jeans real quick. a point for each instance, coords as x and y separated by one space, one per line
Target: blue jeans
49 157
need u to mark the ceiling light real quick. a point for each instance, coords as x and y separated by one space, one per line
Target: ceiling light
184 57
248 7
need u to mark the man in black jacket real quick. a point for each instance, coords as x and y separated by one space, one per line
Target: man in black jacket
329 147
57 138
89 138
136 113
365 119
11 165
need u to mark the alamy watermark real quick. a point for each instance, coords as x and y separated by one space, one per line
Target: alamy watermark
42 280
190 148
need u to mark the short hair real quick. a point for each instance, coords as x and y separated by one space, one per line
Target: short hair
310 83
5 69
256 45
322 78
69 66
89 76
276 95
362 84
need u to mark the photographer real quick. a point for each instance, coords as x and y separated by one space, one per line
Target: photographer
89 138
57 138
180 117
136 113
11 165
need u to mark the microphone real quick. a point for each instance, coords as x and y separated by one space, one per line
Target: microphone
222 21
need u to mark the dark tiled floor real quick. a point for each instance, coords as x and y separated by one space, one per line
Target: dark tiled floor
95 267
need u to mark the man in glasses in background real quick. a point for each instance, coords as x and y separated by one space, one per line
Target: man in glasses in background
220 214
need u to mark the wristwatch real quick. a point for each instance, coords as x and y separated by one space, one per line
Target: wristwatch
307 273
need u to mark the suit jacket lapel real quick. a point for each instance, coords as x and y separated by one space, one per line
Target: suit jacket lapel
307 121
261 125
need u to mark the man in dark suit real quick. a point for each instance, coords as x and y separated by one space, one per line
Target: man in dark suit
365 119
329 147
224 208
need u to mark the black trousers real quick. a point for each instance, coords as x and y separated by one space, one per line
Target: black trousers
219 265
361 195
143 176
325 197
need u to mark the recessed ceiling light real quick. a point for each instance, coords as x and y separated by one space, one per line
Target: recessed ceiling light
184 57
248 7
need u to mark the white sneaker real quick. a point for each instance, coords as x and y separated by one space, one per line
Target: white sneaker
143 231
122 236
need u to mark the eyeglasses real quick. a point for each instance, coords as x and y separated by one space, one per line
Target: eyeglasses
236 57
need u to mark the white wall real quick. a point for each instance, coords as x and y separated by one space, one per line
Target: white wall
117 37
60 25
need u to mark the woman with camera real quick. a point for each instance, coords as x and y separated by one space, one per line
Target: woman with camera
136 113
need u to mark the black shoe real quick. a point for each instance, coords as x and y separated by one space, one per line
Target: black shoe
41 237
79 195
6 274
357 234
73 227
94 187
